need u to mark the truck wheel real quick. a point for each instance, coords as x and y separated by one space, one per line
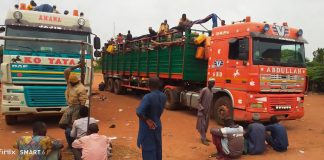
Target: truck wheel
11 119
222 109
173 98
110 85
118 89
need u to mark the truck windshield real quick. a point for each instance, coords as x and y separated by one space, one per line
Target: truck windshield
44 46
275 52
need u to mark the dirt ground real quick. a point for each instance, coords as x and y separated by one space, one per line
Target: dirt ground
180 139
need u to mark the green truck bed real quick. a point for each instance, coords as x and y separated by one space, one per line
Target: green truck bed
172 62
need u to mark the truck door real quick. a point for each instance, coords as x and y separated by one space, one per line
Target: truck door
237 64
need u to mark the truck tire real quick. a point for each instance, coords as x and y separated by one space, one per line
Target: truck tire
118 89
110 85
173 98
222 108
11 119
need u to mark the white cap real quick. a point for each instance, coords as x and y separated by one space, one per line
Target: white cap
211 79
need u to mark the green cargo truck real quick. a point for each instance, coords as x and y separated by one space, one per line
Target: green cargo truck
172 59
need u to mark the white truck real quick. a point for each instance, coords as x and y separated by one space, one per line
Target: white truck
38 47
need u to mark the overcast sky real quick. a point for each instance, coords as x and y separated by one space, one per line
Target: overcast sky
138 15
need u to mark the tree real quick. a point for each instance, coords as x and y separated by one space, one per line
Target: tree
315 70
319 55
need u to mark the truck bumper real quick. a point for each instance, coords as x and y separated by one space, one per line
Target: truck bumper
284 106
24 110
242 115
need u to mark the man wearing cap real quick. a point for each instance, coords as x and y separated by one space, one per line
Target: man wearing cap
229 140
255 136
76 96
205 102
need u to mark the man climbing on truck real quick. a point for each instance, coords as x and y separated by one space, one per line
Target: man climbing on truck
76 96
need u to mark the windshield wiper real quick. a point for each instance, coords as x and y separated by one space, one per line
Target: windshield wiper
21 47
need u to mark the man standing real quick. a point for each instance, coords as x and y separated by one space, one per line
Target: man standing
183 23
164 27
255 136
129 36
204 105
150 127
120 41
76 96
39 146
278 138
94 146
229 141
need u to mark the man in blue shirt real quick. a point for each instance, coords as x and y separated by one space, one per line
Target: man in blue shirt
278 138
150 128
44 8
255 136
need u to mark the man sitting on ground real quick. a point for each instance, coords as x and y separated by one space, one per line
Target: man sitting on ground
79 128
277 138
39 146
229 140
255 136
94 146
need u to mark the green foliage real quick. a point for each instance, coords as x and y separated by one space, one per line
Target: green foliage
315 70
319 56
98 65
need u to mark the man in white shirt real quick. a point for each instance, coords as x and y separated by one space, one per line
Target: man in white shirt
79 128
229 140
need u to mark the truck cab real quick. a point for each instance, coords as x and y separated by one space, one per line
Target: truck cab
260 68
33 80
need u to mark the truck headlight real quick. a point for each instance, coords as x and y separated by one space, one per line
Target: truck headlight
17 15
10 98
81 22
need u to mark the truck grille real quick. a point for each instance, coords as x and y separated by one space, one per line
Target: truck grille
281 83
40 74
283 77
282 103
45 96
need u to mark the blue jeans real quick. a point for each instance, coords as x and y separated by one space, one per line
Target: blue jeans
68 137
274 144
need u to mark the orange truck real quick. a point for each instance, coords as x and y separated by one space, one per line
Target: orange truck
259 68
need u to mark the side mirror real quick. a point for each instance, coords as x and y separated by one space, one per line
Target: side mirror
97 53
2 29
244 49
96 42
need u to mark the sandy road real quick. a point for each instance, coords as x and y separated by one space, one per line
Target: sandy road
180 139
